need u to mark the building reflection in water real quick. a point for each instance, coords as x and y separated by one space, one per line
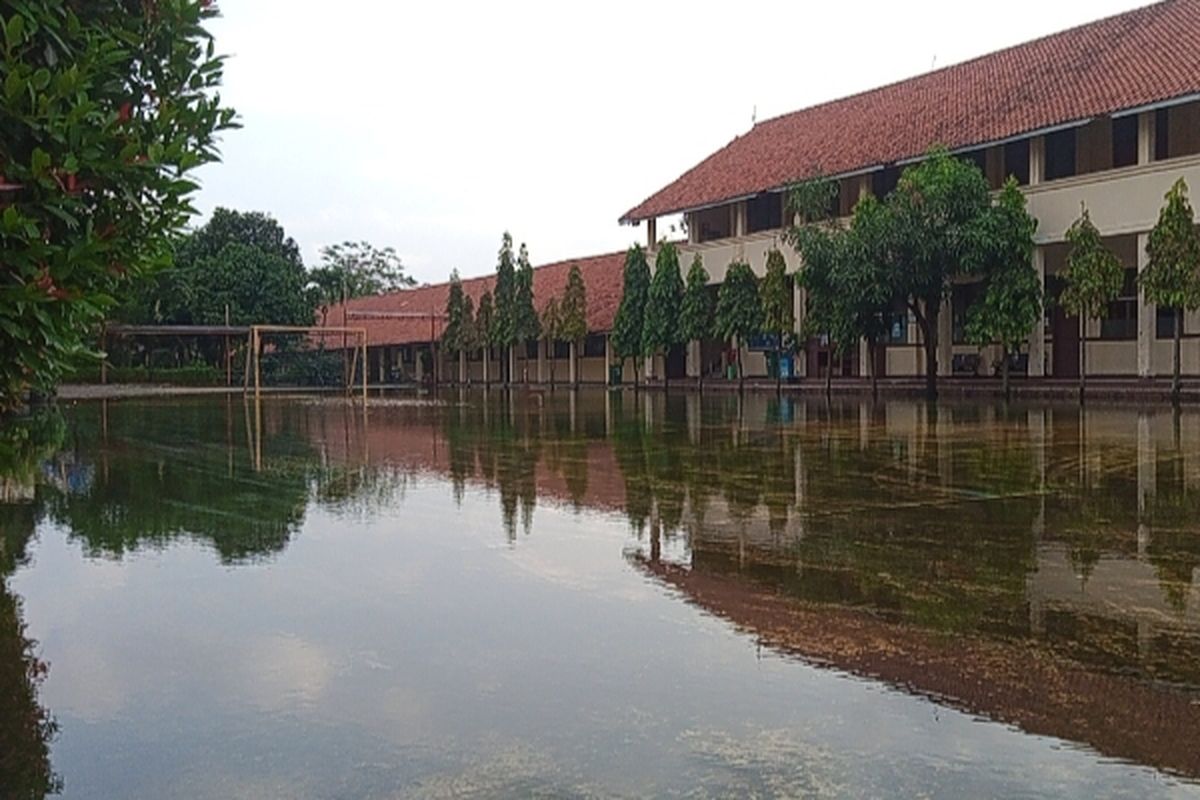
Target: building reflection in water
1037 566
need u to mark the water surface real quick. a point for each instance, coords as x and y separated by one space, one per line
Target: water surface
604 595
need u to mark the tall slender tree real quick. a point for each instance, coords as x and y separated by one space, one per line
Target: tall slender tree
1171 278
468 335
660 331
504 300
526 326
739 312
778 309
1012 299
1093 277
628 324
696 310
485 330
452 334
573 327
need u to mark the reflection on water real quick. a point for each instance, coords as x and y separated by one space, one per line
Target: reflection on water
573 593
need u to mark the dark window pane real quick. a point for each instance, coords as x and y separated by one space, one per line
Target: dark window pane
1016 161
1060 154
764 212
1162 134
1125 141
593 346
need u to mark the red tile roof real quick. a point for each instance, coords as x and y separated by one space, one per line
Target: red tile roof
602 275
1127 61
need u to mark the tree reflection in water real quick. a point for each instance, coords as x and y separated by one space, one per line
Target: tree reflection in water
997 545
26 728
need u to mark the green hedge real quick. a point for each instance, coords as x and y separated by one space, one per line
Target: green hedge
191 375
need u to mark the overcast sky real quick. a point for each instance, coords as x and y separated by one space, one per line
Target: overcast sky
435 126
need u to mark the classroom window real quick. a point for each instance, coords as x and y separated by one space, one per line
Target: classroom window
1121 321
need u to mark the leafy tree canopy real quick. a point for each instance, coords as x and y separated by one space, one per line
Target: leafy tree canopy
243 259
1172 275
739 311
526 326
776 295
1012 299
573 310
1093 275
503 322
660 328
627 327
696 309
357 269
108 107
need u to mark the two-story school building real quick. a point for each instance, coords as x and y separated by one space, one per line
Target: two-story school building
1105 115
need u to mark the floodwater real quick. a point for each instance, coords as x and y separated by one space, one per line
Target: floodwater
593 594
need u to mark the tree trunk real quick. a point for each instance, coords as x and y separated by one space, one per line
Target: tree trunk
637 375
742 374
829 374
779 365
552 367
1004 374
1177 378
1082 356
872 352
666 375
931 365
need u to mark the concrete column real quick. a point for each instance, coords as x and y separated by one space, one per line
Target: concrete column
462 366
608 356
1146 135
487 363
651 233
1037 337
1146 316
1037 160
418 365
381 360
648 367
513 377
573 368
693 358
800 365
739 218
864 359
945 341
542 376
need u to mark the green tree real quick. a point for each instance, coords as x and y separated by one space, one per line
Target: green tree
936 214
356 269
778 310
485 326
696 310
573 323
1093 278
552 329
257 287
1171 278
628 324
739 312
455 336
660 328
1012 299
828 310
526 327
504 299
107 110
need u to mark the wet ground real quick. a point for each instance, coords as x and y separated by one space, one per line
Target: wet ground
597 594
